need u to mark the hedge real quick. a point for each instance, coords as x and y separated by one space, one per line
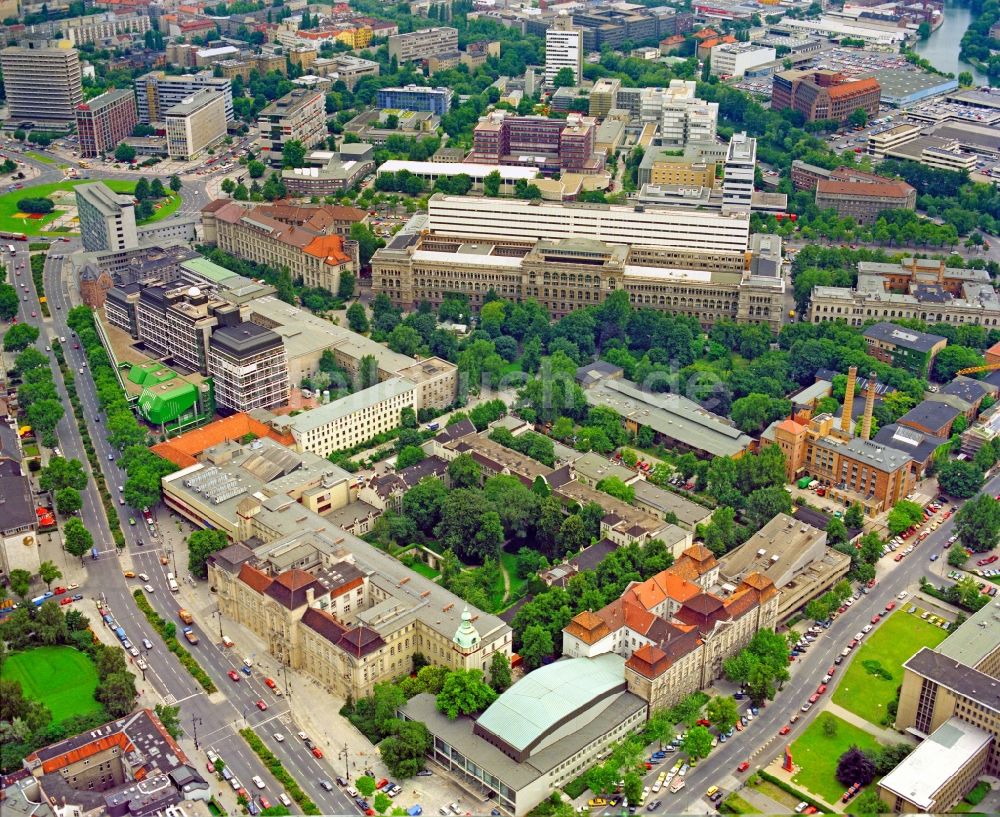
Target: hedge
784 786
576 786
39 281
160 625
280 774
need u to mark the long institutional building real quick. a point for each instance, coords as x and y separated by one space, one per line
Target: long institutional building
922 288
949 700
568 256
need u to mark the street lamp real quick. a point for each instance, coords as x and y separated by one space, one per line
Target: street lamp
195 720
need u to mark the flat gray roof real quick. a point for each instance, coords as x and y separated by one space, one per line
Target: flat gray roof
328 413
975 639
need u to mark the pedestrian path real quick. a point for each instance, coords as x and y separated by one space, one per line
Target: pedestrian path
883 734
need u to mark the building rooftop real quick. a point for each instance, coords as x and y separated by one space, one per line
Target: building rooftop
935 761
876 454
193 103
531 709
917 444
903 337
244 339
507 172
975 639
774 550
688 513
957 677
596 467
17 509
930 414
103 198
330 412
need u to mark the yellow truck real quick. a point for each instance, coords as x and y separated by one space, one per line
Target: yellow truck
185 616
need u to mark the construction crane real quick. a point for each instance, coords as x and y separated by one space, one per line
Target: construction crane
989 367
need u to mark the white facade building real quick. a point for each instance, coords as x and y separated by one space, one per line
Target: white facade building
737 181
563 49
735 59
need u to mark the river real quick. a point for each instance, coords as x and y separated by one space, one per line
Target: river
942 47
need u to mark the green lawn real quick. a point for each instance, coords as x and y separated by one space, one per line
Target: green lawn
893 641
62 678
816 755
776 793
509 563
425 569
39 158
36 226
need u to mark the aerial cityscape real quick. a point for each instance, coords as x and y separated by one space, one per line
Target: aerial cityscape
497 407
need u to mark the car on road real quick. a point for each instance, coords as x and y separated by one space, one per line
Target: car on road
149 588
901 595
303 736
934 557
279 737
129 574
988 560
131 519
743 766
326 784
813 698
233 675
317 752
890 606
876 618
78 597
261 705
67 600
654 805
821 689
807 706
258 782
144 577
784 730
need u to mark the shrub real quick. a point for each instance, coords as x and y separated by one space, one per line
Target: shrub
34 205
280 774
167 630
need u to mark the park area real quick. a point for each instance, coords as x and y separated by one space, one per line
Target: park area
12 220
62 678
876 669
817 750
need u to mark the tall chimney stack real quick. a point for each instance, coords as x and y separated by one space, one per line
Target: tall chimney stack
845 415
866 426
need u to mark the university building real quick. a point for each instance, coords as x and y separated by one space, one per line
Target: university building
824 94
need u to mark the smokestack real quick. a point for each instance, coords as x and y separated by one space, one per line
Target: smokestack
866 426
845 415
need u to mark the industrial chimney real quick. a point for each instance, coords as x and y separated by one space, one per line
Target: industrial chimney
845 415
866 426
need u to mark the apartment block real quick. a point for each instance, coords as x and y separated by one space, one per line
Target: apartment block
42 82
299 116
904 348
196 123
107 219
248 366
551 145
416 98
682 116
268 235
824 94
104 121
345 68
427 42
157 91
737 180
563 49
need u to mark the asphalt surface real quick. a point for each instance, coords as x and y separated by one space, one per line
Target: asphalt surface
215 719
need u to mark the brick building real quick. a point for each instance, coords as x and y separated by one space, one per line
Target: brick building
104 121
863 196
824 94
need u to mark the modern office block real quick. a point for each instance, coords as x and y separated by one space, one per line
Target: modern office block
104 121
298 116
563 49
42 83
107 220
195 124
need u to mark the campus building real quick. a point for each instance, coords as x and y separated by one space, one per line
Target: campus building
278 237
103 122
298 116
864 196
107 219
327 172
196 123
551 145
922 288
904 348
684 118
427 42
950 701
157 92
673 630
574 272
416 98
735 59
248 367
824 94
563 49
42 83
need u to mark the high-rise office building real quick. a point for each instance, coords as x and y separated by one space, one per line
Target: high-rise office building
195 124
156 92
42 82
299 116
683 117
563 49
107 220
104 121
737 181
248 366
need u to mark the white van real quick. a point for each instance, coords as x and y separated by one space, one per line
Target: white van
174 588
285 799
676 786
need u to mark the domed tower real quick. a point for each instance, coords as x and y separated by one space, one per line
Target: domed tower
466 638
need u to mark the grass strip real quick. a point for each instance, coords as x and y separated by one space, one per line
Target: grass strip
167 631
280 774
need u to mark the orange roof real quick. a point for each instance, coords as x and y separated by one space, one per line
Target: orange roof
791 426
295 578
182 450
254 578
588 627
740 603
700 554
856 87
673 40
705 33
649 661
864 189
330 247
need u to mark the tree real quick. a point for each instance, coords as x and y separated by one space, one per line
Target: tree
35 205
68 500
869 802
124 153
410 455
573 536
698 742
957 557
465 692
536 644
345 285
721 712
117 693
836 531
858 118
142 191
765 503
499 672
404 750
464 472
62 473
293 153
48 572
381 802
614 486
951 359
368 242
855 516
201 545
904 514
491 184
977 523
170 718
20 582
632 787
76 538
19 336
423 502
365 785
8 302
256 169
175 183
855 766
564 78
357 318
960 479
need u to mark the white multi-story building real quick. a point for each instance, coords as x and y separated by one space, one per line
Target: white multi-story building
42 83
683 117
682 229
735 59
156 92
563 49
737 181
195 124
299 116
248 366
107 220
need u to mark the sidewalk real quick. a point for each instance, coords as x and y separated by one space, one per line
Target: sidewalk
883 734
